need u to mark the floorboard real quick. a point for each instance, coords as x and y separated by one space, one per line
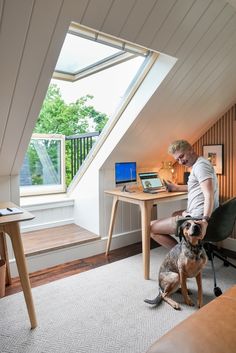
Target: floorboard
74 267
47 239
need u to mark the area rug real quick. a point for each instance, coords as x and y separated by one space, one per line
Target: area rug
99 311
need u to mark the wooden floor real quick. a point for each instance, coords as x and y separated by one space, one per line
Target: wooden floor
74 267
44 240
71 268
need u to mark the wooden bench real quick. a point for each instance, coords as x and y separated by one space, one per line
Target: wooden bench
211 329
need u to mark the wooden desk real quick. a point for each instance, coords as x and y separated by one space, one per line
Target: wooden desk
10 225
145 202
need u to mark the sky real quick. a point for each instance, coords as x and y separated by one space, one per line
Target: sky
108 86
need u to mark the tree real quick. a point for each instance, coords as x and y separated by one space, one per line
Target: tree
57 117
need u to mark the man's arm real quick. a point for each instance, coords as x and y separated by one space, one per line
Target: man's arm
208 192
175 187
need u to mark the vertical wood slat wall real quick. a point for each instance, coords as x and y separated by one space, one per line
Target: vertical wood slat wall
222 132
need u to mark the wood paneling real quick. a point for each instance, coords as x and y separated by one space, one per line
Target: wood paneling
222 133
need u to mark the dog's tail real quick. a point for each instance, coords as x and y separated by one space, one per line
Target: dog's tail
156 300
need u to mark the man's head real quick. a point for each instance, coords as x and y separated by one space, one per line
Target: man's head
182 152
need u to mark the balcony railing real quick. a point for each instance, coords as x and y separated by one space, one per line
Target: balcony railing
80 145
52 161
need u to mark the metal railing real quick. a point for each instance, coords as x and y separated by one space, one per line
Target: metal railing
78 149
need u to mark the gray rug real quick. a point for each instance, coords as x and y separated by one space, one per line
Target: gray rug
99 311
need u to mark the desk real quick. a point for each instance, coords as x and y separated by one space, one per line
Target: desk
10 225
145 202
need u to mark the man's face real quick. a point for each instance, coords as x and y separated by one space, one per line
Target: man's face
187 157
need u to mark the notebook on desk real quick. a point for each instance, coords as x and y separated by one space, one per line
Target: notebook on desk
10 211
151 182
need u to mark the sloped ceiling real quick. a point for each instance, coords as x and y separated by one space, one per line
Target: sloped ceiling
201 34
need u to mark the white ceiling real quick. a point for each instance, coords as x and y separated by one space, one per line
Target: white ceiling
201 34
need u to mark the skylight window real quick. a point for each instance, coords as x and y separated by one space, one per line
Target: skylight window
86 52
95 64
93 81
79 53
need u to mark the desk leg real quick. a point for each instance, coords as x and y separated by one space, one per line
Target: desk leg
112 222
13 231
4 256
146 209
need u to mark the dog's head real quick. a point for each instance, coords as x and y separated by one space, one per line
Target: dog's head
191 231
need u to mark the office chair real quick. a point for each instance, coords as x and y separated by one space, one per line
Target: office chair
220 227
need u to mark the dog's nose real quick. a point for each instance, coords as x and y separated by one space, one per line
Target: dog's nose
196 230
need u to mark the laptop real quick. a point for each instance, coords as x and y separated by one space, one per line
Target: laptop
151 182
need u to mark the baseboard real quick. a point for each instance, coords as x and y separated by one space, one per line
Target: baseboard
60 256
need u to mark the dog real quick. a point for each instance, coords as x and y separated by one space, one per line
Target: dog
185 260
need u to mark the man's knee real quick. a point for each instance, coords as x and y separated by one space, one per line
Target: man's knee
163 226
177 213
152 223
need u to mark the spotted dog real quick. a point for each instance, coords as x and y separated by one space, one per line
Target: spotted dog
185 260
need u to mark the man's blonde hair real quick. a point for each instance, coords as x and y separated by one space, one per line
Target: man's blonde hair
179 145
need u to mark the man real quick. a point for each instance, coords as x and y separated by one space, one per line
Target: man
203 194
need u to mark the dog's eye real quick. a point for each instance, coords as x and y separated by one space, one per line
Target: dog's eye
188 224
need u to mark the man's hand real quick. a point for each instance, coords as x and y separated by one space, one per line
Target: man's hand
204 225
170 186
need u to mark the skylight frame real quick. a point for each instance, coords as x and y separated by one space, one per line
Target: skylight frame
128 51
94 68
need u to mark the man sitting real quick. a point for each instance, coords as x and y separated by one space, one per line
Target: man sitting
203 193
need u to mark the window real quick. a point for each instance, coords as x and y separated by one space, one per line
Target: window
91 64
99 65
43 167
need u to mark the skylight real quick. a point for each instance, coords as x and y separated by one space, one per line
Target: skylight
86 52
95 64
95 78
79 54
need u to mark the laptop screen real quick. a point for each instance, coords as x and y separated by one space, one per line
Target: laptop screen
150 180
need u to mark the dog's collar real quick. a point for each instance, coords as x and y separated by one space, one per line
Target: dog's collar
194 248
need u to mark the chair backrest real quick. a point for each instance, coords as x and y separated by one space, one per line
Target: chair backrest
222 221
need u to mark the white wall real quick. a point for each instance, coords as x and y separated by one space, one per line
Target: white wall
9 188
9 191
92 208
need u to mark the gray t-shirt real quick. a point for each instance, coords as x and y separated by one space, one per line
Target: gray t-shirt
201 170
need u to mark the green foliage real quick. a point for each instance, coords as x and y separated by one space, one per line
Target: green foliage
58 117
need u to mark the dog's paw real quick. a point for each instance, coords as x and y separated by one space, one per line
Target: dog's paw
189 302
176 306
199 304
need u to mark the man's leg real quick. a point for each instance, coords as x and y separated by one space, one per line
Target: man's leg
161 230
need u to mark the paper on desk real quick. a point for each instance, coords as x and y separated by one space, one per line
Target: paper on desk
10 211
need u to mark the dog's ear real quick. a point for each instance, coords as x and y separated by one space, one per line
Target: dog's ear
180 229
